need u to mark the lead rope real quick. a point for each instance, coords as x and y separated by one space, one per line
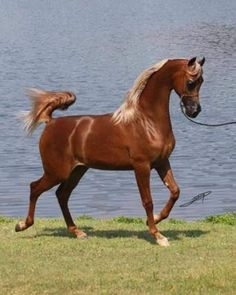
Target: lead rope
202 195
204 124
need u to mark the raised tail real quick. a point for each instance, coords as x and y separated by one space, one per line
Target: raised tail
43 104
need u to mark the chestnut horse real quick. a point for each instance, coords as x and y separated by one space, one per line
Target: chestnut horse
138 136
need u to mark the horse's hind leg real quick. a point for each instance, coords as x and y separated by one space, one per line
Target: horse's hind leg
63 194
36 189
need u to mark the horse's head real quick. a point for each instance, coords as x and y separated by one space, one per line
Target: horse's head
187 84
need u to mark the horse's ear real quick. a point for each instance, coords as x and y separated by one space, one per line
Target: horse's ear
192 61
201 61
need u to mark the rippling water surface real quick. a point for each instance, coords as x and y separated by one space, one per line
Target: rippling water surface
97 49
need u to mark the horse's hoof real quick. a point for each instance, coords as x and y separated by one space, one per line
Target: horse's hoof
163 241
20 226
81 235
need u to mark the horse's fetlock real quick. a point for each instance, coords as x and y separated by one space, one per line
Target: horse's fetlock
153 231
164 215
29 222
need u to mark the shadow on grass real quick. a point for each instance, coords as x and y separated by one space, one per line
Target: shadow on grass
111 234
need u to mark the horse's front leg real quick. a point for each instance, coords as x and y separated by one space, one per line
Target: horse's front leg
142 174
165 173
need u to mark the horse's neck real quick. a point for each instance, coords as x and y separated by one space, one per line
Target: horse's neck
154 101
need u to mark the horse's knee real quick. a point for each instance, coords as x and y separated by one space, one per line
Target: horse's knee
148 205
175 192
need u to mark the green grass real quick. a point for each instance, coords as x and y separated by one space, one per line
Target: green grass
229 218
119 257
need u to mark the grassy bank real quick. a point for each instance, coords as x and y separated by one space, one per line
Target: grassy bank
119 258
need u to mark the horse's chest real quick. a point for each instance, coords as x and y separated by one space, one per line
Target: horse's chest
151 143
168 148
162 148
157 140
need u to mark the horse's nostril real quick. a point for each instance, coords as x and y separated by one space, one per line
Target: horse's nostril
194 115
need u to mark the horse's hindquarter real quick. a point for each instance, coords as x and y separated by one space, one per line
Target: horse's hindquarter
56 147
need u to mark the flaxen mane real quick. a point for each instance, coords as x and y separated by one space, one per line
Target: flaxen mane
128 111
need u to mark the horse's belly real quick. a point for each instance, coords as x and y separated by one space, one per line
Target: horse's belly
101 155
107 163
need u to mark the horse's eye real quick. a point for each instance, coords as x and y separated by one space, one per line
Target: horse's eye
191 84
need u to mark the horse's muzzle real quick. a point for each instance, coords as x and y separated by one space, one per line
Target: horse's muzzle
192 108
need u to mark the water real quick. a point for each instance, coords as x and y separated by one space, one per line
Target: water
97 49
